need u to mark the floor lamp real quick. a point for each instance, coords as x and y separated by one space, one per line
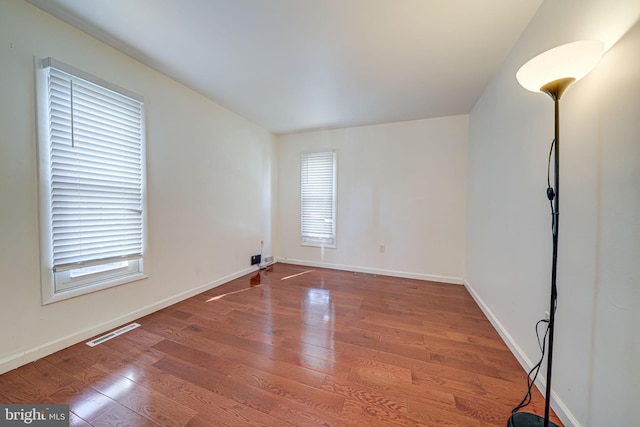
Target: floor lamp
552 72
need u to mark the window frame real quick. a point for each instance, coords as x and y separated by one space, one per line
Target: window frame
67 283
322 242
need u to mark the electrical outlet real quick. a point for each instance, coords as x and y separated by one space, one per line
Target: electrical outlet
255 259
268 259
547 316
382 248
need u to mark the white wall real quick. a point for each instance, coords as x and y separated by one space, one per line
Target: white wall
400 184
210 179
596 378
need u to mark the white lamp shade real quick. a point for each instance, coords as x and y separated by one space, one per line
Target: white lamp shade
572 60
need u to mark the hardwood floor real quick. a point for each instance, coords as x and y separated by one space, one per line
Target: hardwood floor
291 346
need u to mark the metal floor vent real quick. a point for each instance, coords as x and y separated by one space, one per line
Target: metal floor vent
113 334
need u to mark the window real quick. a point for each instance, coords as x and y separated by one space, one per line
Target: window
318 199
91 167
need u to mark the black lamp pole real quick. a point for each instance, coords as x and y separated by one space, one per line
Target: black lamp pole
554 264
555 90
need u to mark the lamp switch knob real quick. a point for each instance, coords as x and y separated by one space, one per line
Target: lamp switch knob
550 193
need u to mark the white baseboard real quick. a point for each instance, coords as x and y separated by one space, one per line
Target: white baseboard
22 358
382 272
561 410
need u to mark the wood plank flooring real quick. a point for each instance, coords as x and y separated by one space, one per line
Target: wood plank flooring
291 346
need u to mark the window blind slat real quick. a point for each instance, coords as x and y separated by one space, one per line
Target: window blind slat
318 195
96 172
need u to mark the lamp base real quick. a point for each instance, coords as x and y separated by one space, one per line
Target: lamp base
524 419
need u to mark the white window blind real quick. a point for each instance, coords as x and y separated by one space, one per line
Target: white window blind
96 172
318 186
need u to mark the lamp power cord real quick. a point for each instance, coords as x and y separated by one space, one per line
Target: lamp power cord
532 375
